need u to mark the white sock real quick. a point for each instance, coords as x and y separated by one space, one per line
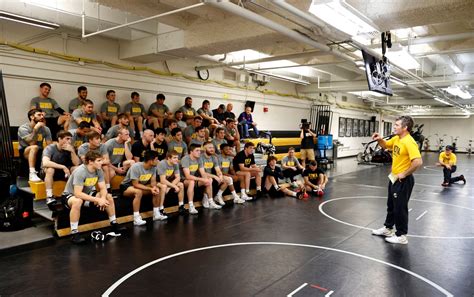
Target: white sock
136 214
162 207
74 226
113 219
156 210
32 170
107 186
293 194
259 188
276 187
180 203
220 192
247 191
191 203
233 193
49 192
205 196
242 191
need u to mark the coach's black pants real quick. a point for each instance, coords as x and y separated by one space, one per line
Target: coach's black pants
290 173
397 204
447 175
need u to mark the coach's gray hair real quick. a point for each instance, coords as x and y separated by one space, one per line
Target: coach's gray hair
407 121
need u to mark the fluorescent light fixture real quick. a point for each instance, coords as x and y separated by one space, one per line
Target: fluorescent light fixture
26 20
338 16
456 91
442 101
402 58
281 77
366 94
360 65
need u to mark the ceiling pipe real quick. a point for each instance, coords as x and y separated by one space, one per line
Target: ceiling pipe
429 39
316 21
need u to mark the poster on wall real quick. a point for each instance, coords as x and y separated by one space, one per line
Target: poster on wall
355 127
367 128
342 127
348 127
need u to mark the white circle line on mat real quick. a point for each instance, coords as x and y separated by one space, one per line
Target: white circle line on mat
137 270
380 197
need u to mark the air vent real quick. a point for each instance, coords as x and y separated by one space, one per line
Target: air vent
230 75
344 98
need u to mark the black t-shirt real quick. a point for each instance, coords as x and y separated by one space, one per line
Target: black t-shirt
218 116
276 173
307 142
161 149
313 175
138 149
241 158
229 114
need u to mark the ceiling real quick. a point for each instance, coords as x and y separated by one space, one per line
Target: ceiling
437 35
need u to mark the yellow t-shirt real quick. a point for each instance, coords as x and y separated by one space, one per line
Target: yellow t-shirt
403 152
447 160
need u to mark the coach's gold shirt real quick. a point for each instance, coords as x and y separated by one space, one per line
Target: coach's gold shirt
403 152
447 160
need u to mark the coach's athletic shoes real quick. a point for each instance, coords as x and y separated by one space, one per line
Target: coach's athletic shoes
77 239
402 239
462 178
245 197
158 216
384 231
33 177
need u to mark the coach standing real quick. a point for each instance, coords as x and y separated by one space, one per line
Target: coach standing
406 159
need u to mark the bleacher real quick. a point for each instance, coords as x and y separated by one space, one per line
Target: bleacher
91 218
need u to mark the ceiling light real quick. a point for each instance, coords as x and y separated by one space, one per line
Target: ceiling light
338 16
366 94
456 91
402 58
26 20
442 101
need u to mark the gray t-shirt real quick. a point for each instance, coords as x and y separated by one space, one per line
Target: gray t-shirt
79 114
47 105
135 109
84 148
182 125
110 109
217 144
188 112
113 132
42 134
201 111
162 109
290 162
189 132
196 142
192 165
166 169
225 163
139 173
77 140
209 162
58 156
180 148
116 150
74 104
83 177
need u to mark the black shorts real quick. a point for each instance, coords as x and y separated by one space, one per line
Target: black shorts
123 188
66 196
273 193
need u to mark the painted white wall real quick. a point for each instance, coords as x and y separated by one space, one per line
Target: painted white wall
462 128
